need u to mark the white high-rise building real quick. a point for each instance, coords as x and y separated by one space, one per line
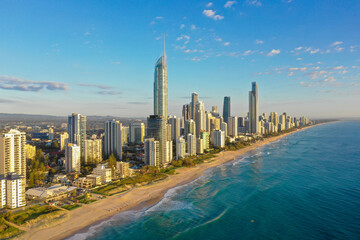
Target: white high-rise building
254 109
15 190
151 152
63 137
77 131
93 151
224 128
168 152
219 138
72 158
200 120
232 126
13 152
191 144
161 87
113 139
2 191
180 148
175 127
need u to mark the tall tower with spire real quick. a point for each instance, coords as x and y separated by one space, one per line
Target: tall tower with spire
160 87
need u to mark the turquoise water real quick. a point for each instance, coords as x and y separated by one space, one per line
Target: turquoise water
304 186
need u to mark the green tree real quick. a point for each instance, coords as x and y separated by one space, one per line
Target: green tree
112 161
31 179
55 144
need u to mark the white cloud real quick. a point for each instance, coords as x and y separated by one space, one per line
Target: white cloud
186 37
314 51
228 4
226 43
212 14
192 27
210 4
195 59
290 74
87 33
338 68
273 52
257 41
336 43
18 84
218 39
338 49
182 26
256 3
299 59
158 38
159 17
299 48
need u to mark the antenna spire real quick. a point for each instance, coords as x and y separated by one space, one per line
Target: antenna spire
164 46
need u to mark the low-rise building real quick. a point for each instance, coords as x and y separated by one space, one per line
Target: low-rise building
123 169
104 171
95 178
83 182
53 193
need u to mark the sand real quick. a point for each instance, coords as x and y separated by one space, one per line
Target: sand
82 218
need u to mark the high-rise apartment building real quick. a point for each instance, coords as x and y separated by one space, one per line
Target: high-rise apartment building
233 126
77 131
63 138
191 144
113 139
219 138
254 109
15 190
190 127
186 112
157 129
180 148
175 127
194 100
137 132
200 120
151 152
13 152
226 109
93 151
72 158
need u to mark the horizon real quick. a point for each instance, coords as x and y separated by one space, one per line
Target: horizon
89 56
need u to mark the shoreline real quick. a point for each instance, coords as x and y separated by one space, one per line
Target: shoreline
139 198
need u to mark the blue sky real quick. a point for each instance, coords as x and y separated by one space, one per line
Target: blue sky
97 57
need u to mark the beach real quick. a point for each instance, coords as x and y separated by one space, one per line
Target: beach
137 198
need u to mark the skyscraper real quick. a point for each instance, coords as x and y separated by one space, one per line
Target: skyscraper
175 127
200 120
254 109
194 100
157 129
137 132
226 109
113 139
77 131
160 87
13 153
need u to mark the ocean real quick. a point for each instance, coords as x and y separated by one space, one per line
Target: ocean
303 186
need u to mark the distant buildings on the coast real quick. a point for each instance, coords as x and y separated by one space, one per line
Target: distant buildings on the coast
84 157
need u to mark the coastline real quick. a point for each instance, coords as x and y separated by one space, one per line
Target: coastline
81 219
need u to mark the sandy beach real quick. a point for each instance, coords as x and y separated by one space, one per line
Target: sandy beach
141 197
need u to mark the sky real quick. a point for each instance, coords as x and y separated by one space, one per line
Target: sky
98 57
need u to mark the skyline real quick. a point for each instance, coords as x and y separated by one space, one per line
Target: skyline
87 63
